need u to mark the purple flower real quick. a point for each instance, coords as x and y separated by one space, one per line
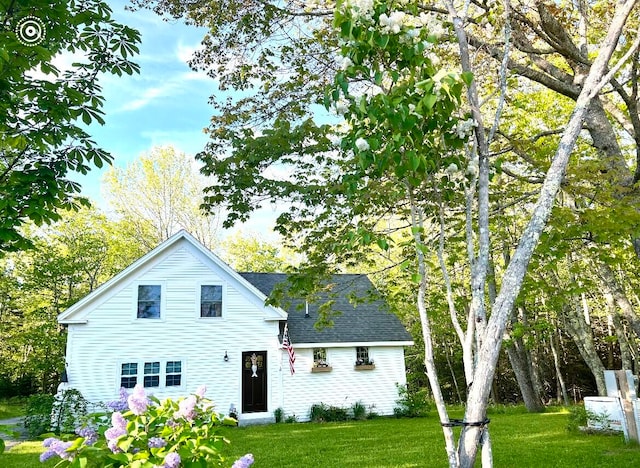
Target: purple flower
46 455
118 428
56 447
90 435
244 462
121 403
156 442
172 460
201 390
60 449
113 446
48 441
138 401
187 409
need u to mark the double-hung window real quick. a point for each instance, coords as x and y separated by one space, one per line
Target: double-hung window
149 301
173 375
152 374
211 300
129 375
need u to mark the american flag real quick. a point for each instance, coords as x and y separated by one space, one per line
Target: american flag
286 344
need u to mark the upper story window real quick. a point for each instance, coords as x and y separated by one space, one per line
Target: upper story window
211 300
149 300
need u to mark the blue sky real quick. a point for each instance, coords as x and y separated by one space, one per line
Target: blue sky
165 104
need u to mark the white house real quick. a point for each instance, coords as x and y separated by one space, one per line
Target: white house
179 317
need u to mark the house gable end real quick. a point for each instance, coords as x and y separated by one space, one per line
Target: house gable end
77 313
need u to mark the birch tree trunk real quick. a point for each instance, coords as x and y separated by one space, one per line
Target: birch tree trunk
611 286
582 336
477 401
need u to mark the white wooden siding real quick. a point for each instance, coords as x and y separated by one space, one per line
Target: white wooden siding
343 385
112 335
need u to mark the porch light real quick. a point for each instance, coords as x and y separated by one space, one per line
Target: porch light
226 357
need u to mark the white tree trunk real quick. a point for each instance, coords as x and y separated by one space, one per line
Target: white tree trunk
477 400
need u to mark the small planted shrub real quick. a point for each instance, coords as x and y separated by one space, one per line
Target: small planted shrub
412 404
359 411
291 419
38 414
69 409
144 431
325 413
278 414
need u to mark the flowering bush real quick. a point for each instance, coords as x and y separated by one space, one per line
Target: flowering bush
145 432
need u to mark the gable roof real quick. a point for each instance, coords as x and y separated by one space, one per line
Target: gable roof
368 322
74 313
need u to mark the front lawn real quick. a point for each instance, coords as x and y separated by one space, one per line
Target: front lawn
520 440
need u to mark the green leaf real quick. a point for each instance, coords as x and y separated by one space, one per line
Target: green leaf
467 77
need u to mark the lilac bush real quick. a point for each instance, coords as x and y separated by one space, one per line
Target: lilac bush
143 431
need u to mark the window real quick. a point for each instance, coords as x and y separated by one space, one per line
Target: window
362 356
151 374
173 374
210 300
320 357
129 375
149 301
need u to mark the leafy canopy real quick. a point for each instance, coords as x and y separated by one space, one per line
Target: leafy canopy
45 107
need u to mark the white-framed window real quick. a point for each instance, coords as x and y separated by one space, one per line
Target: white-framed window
151 373
149 301
129 374
173 374
211 303
320 357
362 356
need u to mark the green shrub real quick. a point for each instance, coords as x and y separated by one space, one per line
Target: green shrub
577 418
279 415
38 415
412 404
325 413
359 411
291 419
69 408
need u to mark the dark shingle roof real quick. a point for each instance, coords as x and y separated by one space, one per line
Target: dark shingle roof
368 321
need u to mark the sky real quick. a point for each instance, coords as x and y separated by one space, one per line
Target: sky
165 104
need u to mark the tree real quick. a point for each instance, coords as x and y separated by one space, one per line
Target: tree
69 259
160 193
380 169
250 254
44 107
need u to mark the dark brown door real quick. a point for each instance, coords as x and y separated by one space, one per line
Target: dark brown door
254 381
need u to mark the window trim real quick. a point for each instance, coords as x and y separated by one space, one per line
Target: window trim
223 308
163 301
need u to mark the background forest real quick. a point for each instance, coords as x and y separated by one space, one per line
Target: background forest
345 207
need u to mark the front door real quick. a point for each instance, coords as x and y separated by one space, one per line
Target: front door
254 381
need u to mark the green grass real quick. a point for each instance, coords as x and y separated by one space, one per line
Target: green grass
519 440
12 407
